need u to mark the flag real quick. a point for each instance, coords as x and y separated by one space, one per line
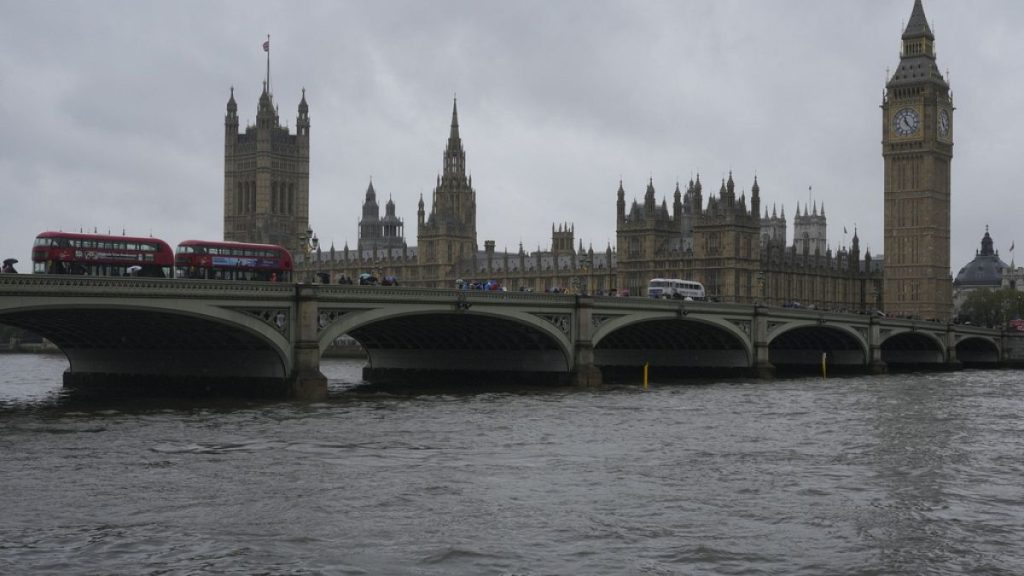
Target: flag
266 46
1011 246
844 229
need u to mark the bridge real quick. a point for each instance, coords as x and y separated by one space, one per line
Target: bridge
268 337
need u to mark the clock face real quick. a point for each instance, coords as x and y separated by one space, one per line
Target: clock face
905 122
944 123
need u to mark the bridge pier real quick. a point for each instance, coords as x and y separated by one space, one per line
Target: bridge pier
875 363
763 367
306 382
952 360
584 372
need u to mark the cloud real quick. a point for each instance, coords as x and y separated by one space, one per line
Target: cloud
113 112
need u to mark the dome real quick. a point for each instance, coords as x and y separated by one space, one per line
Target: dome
986 270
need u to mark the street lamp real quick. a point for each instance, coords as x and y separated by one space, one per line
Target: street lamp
308 242
583 279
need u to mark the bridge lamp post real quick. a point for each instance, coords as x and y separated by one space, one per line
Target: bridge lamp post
583 279
309 243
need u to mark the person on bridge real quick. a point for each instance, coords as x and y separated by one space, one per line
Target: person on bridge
9 266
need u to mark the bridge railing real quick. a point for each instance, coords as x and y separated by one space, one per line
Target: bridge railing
37 284
332 291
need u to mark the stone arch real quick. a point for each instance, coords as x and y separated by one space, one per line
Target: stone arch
446 338
912 348
669 339
977 351
802 343
119 337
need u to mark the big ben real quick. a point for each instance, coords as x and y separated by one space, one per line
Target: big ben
917 147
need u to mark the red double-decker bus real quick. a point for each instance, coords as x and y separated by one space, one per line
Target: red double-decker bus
101 255
233 261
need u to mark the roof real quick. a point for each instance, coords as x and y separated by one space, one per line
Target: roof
986 270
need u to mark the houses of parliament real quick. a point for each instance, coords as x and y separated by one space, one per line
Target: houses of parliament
733 244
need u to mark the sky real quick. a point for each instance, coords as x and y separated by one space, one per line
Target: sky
112 112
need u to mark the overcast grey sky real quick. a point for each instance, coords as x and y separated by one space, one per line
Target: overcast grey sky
113 111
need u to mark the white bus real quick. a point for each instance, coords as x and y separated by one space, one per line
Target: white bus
675 289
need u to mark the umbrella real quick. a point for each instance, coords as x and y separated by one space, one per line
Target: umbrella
10 261
134 269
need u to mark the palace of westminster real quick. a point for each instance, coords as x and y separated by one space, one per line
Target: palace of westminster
733 245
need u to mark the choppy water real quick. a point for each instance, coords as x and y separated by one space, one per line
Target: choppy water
918 474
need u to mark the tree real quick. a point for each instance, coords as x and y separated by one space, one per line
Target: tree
992 308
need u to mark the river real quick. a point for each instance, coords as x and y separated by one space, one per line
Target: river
908 474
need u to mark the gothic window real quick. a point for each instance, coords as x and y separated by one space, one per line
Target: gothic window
291 199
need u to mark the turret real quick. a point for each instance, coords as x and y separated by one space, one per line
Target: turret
755 199
677 204
302 122
698 190
649 204
231 119
855 253
266 115
620 205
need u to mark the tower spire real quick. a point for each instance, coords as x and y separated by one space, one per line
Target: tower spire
454 156
455 120
917 26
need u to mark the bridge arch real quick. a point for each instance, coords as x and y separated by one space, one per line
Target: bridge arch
977 351
667 339
157 338
911 347
446 339
802 343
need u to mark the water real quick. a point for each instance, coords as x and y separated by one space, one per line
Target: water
918 474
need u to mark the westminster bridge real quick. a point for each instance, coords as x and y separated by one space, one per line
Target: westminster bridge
269 337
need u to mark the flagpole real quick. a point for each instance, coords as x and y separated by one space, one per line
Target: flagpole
268 64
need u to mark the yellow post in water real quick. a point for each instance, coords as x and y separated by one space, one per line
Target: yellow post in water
646 364
824 357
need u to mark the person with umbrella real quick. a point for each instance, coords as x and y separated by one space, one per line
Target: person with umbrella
9 266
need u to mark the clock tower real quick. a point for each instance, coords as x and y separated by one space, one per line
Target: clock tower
917 147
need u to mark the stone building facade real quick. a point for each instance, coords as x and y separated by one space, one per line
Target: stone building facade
266 175
917 147
739 255
376 233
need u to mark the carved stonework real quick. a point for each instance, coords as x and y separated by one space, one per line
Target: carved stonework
599 319
742 325
275 317
560 321
328 317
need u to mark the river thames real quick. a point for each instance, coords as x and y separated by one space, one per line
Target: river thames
908 474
